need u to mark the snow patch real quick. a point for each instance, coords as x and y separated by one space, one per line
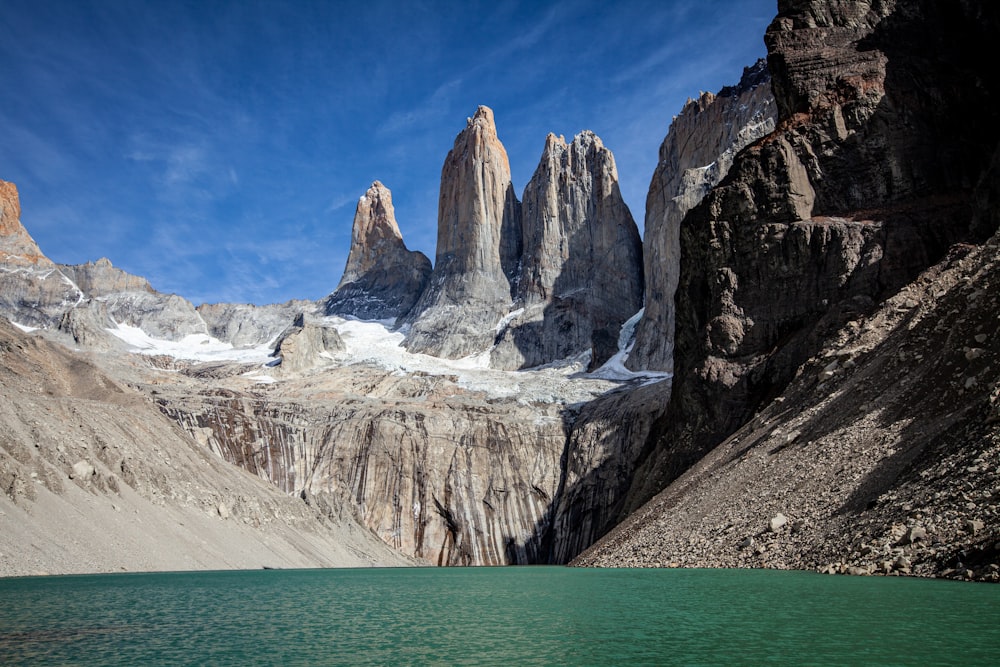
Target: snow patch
615 369
507 319
375 343
23 327
195 347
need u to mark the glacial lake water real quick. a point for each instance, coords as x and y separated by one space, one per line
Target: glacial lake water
496 616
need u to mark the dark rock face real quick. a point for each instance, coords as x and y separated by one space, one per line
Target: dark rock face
478 248
886 123
696 155
581 270
382 278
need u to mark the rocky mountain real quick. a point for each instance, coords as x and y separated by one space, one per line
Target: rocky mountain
102 279
33 292
881 456
695 156
478 248
866 182
835 375
382 279
580 274
94 478
247 325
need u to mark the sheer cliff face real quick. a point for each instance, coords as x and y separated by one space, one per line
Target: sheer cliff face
696 154
436 471
382 278
581 271
865 182
478 248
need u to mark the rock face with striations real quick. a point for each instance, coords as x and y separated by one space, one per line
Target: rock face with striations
382 278
478 248
866 181
581 270
696 155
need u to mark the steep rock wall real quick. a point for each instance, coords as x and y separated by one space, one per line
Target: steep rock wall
866 181
382 279
435 472
580 274
478 248
696 155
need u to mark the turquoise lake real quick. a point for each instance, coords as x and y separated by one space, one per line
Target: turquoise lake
496 616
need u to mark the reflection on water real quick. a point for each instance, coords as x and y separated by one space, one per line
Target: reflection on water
493 616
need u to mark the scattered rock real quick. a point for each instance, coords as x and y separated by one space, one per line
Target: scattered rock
973 526
777 523
82 470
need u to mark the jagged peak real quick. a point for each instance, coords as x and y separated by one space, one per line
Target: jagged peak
588 138
483 116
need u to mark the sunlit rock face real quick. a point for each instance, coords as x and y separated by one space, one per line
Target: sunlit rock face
696 154
478 248
246 325
580 273
33 292
437 472
307 344
382 279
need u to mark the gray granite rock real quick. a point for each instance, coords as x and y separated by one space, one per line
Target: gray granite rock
580 274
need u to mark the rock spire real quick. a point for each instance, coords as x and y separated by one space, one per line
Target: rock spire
382 279
581 270
478 247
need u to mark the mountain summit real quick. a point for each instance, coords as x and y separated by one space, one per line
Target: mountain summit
580 274
382 279
478 247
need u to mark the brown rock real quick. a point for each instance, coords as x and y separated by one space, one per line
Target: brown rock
478 248
382 279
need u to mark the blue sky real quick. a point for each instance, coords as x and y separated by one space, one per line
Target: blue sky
219 148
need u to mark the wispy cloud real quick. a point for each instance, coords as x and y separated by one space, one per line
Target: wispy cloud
432 108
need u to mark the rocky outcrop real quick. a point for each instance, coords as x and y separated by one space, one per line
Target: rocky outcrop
478 248
866 181
307 344
580 273
248 325
33 292
696 155
100 278
382 279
